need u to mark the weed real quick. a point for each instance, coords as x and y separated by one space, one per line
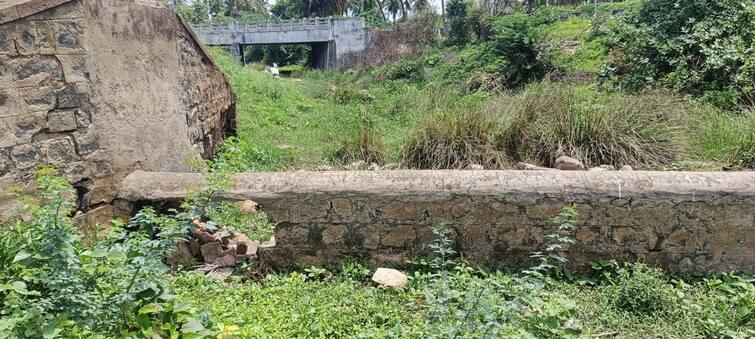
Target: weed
644 291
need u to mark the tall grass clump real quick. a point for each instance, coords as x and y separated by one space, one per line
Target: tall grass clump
365 145
550 120
726 137
448 141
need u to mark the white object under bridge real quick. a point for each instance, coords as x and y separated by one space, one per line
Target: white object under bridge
336 42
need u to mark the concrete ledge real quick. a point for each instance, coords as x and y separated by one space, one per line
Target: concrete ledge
18 9
692 222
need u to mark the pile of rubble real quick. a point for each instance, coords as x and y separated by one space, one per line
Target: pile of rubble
216 251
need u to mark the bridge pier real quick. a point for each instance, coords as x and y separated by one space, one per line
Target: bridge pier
323 55
237 52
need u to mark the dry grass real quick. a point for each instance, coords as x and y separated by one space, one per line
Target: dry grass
454 142
549 120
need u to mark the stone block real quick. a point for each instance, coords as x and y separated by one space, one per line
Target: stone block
83 119
399 236
6 164
61 121
26 39
40 98
74 67
77 171
47 66
67 36
59 151
334 234
68 97
6 41
86 142
45 37
26 156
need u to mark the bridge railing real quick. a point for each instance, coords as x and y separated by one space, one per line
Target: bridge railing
266 26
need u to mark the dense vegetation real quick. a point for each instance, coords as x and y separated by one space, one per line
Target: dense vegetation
58 284
665 85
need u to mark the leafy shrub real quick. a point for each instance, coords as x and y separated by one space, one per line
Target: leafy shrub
412 70
643 290
447 141
512 54
54 286
550 120
695 47
517 43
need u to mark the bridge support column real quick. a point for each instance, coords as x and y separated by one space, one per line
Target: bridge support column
237 52
323 55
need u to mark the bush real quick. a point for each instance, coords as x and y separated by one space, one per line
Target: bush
694 47
447 141
412 70
549 120
517 44
643 290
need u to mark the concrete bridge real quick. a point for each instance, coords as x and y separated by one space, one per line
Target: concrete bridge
336 43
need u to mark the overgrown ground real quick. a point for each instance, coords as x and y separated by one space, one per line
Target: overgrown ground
449 107
326 118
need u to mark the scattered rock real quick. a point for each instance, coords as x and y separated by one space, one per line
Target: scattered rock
181 255
390 167
248 206
269 243
626 168
252 248
390 278
211 251
228 260
523 166
325 168
566 163
475 167
357 166
202 236
221 273
607 167
194 247
373 167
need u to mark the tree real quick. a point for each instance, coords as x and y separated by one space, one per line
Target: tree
458 33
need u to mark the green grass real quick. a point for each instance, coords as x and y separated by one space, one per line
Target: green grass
587 55
316 303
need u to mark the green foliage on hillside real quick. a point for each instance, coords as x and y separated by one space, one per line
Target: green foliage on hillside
699 47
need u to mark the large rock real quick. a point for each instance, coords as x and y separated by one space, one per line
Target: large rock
566 163
390 278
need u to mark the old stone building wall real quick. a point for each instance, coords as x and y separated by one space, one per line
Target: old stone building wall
690 222
99 88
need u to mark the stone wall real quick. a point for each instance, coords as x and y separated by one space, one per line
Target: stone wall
99 88
691 222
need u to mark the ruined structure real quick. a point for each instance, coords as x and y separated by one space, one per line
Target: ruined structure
690 222
99 88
